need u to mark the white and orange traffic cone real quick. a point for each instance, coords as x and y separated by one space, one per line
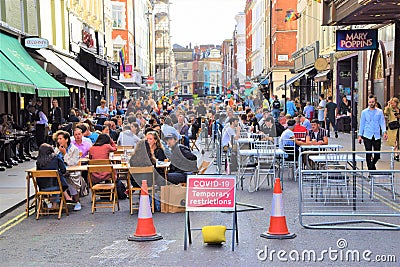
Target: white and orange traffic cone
277 223
145 230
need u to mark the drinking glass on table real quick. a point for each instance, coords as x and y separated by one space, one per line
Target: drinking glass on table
124 161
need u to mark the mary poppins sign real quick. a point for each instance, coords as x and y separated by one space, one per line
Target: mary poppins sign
349 40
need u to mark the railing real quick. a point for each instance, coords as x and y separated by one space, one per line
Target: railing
335 185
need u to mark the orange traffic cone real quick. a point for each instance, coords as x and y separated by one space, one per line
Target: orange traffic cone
277 226
145 230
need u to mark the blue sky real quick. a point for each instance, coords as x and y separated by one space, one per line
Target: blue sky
203 21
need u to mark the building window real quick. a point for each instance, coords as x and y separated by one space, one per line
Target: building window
185 89
185 75
118 16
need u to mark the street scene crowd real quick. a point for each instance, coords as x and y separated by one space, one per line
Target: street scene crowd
168 130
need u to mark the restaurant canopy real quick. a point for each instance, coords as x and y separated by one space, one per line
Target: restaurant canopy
46 85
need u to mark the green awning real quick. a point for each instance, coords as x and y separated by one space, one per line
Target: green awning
13 80
46 85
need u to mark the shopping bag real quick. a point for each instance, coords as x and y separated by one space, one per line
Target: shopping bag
173 198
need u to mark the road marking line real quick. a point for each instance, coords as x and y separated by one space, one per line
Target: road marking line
383 199
13 222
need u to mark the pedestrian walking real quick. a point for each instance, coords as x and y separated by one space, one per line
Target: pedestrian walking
331 111
291 107
392 114
321 110
372 124
276 106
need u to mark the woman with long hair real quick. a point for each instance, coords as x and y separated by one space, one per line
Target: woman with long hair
101 150
48 160
156 149
392 114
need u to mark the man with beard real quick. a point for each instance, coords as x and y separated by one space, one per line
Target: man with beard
183 161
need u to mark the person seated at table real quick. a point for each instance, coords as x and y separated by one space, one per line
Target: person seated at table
142 157
268 128
156 149
101 150
182 129
69 153
183 161
128 137
91 131
83 144
194 127
305 122
299 130
72 116
287 140
317 135
233 130
253 123
48 160
168 129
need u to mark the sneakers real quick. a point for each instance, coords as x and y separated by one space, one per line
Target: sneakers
77 206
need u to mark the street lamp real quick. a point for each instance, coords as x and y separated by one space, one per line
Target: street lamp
148 14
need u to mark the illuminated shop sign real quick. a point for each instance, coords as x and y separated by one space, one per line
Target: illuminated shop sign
351 40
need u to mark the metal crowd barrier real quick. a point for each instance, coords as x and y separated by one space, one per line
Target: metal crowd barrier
337 191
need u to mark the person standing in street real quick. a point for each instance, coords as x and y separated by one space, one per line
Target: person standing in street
372 123
102 112
291 107
331 112
321 110
276 106
392 114
55 116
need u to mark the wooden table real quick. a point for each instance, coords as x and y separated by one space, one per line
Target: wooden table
76 168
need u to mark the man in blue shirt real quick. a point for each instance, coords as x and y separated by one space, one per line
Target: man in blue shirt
372 123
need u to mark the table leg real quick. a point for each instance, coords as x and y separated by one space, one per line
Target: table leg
28 179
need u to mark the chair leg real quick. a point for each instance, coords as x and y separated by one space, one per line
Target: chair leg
153 202
93 200
60 208
40 204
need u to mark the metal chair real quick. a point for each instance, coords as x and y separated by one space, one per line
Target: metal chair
52 178
266 162
383 179
336 175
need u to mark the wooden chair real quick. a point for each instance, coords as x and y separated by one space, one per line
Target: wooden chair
141 170
192 142
99 162
51 177
107 192
203 167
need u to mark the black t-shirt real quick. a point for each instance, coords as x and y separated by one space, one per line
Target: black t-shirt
276 104
330 107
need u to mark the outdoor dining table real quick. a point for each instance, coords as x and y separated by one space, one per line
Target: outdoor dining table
337 157
165 165
118 167
254 153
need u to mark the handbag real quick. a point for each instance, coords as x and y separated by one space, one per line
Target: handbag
393 125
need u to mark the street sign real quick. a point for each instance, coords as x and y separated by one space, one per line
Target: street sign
210 193
150 80
247 85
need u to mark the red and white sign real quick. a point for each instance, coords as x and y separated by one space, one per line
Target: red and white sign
248 85
210 193
150 80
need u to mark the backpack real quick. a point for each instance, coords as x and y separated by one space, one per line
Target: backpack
276 104
121 188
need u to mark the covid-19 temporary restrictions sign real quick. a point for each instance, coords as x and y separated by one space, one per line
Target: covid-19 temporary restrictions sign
210 193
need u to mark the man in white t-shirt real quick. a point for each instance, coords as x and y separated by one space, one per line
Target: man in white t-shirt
321 110
232 130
